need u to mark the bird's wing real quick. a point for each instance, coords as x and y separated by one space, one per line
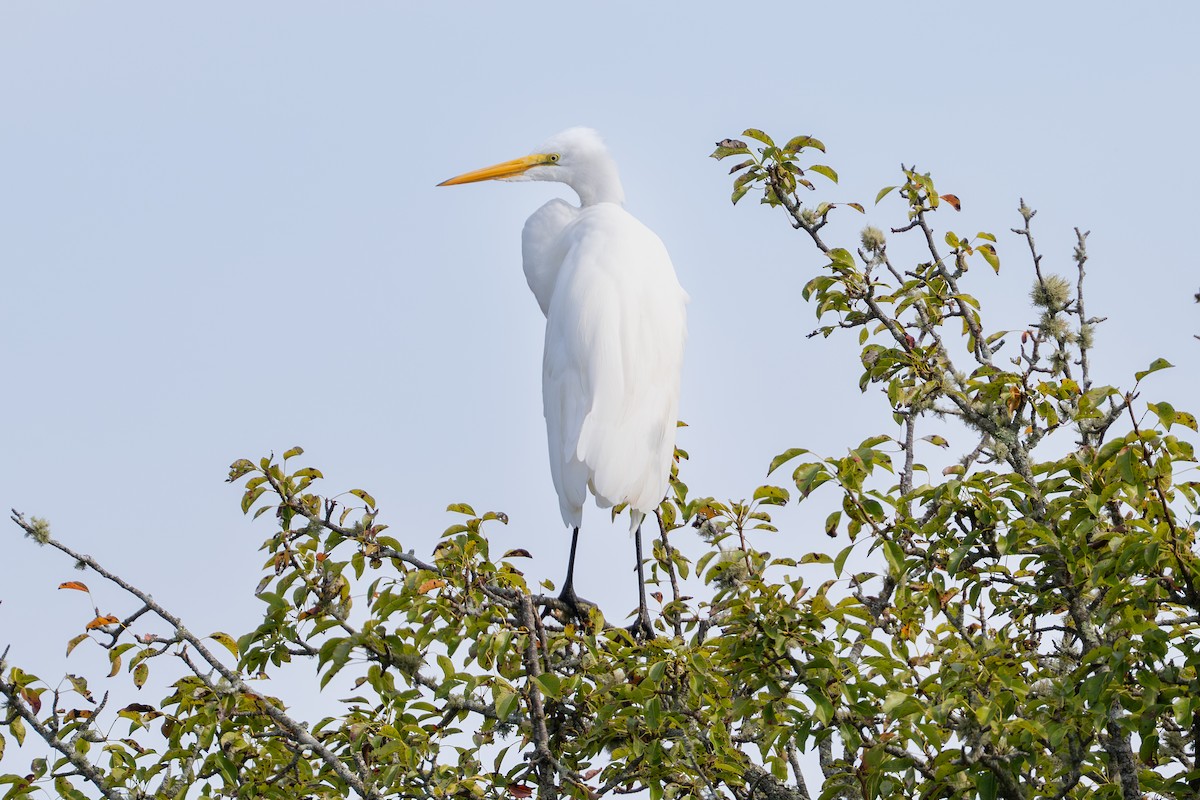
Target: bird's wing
614 351
542 248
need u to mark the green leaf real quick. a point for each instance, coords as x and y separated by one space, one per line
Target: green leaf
1155 366
772 495
653 712
894 556
884 192
828 172
784 457
249 497
989 255
239 468
842 257
1125 466
986 785
755 133
739 193
506 704
809 477
934 439
831 526
899 704
18 730
140 673
839 562
822 707
80 685
550 683
797 143
461 508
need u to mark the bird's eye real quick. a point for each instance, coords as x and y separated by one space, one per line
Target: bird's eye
554 158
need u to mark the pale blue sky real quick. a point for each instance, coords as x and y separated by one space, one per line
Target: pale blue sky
220 236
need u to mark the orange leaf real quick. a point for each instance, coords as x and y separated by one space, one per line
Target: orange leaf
1014 399
76 585
100 622
953 201
431 584
520 790
34 699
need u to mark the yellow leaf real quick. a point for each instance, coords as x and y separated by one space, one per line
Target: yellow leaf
227 641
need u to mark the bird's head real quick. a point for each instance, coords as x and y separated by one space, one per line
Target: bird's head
576 157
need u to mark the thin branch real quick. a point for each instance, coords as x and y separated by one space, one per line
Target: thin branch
296 729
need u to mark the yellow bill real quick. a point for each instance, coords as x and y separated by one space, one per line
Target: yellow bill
505 169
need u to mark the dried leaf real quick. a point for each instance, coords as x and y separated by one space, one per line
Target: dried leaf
953 200
76 585
33 698
80 685
139 708
518 552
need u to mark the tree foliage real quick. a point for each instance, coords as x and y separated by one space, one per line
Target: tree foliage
1021 624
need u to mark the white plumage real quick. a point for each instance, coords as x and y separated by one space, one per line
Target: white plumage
615 331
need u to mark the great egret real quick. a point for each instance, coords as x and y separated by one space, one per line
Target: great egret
615 330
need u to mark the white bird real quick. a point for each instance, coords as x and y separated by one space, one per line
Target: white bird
615 331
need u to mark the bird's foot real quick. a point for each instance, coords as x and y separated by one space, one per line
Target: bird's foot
576 607
641 629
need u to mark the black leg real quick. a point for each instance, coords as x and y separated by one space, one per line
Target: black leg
567 595
641 628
